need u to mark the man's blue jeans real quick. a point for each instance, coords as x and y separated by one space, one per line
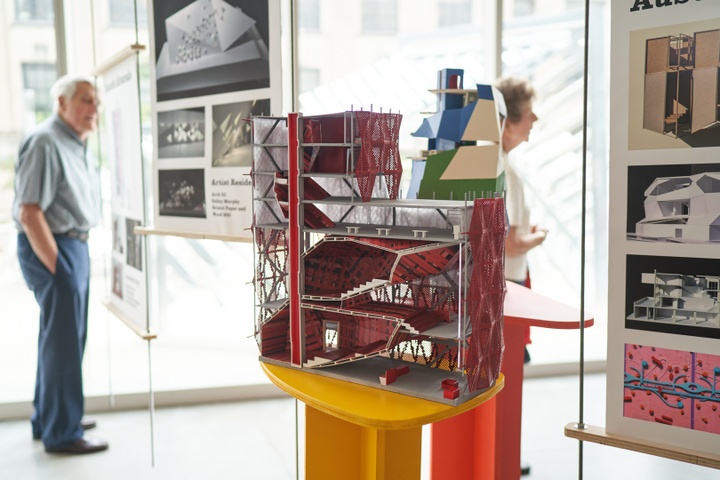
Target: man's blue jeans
63 301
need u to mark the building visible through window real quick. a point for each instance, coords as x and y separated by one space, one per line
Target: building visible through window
379 16
37 80
454 12
309 14
524 7
34 10
123 11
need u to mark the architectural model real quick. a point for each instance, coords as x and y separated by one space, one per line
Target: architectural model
682 87
680 299
682 209
464 156
356 284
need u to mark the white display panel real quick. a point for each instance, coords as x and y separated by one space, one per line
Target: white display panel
122 147
663 362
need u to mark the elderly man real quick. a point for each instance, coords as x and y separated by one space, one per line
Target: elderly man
56 203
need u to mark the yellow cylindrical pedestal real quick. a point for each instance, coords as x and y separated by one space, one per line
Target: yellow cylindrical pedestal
337 449
356 432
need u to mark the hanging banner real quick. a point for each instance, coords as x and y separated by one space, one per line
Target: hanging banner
663 361
123 149
216 64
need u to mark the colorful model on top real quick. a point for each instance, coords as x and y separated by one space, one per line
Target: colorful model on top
357 284
464 158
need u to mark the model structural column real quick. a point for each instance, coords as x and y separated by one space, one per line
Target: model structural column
294 255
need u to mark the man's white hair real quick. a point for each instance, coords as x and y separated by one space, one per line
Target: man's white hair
66 86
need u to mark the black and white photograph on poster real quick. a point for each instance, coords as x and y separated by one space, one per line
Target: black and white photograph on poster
181 193
181 133
207 47
118 234
674 203
230 197
134 244
673 295
232 142
675 86
117 279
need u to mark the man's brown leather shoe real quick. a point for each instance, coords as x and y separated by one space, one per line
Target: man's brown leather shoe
80 446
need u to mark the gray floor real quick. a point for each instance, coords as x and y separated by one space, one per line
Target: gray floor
255 440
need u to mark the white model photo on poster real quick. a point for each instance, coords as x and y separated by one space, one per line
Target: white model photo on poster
181 133
207 47
232 142
181 193
677 203
675 86
674 295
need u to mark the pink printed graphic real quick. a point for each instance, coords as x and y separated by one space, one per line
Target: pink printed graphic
672 387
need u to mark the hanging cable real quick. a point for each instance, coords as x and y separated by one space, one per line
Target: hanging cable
581 421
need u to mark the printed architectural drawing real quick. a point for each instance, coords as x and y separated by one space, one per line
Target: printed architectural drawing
680 299
682 209
682 87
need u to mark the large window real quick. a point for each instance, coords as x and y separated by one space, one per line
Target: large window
543 41
34 10
375 60
379 16
547 48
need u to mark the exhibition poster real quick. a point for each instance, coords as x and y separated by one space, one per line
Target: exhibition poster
216 65
663 361
122 136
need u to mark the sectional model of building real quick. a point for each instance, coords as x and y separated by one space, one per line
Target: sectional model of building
680 299
682 87
682 209
357 284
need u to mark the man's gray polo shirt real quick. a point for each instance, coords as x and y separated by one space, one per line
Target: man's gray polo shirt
55 171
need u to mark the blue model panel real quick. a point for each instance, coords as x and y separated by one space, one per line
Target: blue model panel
450 125
485 92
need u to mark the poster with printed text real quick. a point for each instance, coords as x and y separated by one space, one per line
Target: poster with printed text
663 360
122 146
216 64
